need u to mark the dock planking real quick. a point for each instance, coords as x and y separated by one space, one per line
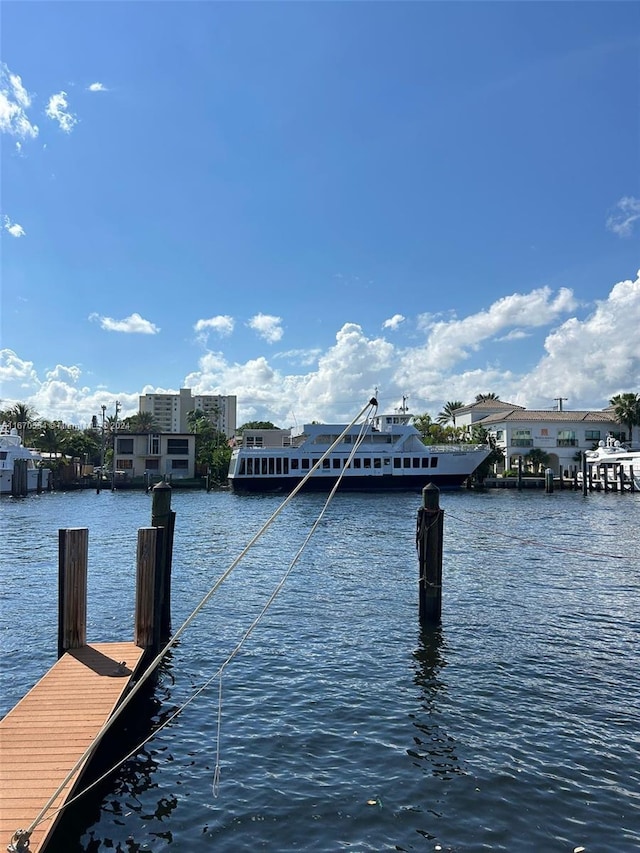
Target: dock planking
47 732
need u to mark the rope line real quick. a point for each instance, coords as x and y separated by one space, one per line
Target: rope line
366 411
526 541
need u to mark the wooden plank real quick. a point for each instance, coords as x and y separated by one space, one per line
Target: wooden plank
47 732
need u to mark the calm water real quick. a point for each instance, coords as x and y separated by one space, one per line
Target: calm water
516 726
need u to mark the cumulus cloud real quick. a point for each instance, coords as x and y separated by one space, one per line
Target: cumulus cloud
451 341
15 369
13 228
586 358
393 322
267 326
222 325
622 220
97 87
64 374
134 324
14 103
58 110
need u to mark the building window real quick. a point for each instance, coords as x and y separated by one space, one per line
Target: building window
592 435
567 438
124 465
152 464
499 434
178 446
179 464
125 445
521 438
154 445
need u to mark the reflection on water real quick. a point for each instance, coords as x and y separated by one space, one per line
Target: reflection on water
434 750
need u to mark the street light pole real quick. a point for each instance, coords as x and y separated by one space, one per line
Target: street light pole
101 451
113 463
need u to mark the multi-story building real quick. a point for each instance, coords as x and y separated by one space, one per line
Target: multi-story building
170 410
171 455
560 434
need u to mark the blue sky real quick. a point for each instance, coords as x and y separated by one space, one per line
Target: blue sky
299 203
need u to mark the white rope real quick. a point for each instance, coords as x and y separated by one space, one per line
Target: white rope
372 404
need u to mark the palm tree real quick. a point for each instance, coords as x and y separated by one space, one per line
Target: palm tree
480 398
24 416
626 408
142 422
537 458
448 412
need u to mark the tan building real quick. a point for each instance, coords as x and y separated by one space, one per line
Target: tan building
165 454
170 410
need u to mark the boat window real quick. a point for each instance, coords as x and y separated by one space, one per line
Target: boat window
366 462
3 454
242 471
336 463
416 462
406 462
305 463
325 464
286 464
264 465
271 460
249 467
397 463
425 461
434 461
377 462
294 464
387 462
278 465
356 463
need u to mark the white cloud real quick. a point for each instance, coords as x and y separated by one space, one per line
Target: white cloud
587 358
450 341
97 87
393 322
14 103
627 212
223 325
13 228
134 324
57 109
267 326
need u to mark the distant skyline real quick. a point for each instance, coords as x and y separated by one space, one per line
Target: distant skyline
303 203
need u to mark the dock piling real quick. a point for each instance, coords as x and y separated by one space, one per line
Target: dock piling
73 552
429 530
149 587
163 516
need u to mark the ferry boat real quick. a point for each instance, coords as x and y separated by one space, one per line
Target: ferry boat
391 456
613 456
11 448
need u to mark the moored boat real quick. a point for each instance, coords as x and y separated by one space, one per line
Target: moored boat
12 450
390 455
613 456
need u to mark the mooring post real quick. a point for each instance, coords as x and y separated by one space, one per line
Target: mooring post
519 473
73 552
548 481
631 478
585 482
605 473
163 516
430 525
621 477
149 589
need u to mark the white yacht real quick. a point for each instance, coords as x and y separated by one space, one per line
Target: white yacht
612 455
391 456
11 449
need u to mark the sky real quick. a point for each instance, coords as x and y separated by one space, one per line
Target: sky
308 203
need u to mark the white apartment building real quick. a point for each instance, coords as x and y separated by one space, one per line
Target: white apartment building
559 434
171 455
170 410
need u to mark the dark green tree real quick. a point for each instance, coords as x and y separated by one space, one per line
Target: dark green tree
448 412
626 409
490 396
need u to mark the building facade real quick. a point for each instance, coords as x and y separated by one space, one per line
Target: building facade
170 455
170 410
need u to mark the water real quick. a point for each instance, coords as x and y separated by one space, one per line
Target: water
515 726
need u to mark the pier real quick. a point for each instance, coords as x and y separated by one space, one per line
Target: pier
49 738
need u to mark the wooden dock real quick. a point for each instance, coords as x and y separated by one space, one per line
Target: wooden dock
47 732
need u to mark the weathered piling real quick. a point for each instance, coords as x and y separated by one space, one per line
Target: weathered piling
73 552
621 477
585 482
163 516
19 479
429 531
632 478
605 473
149 588
548 481
520 473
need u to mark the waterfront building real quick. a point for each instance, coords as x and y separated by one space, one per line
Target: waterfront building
170 410
156 454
